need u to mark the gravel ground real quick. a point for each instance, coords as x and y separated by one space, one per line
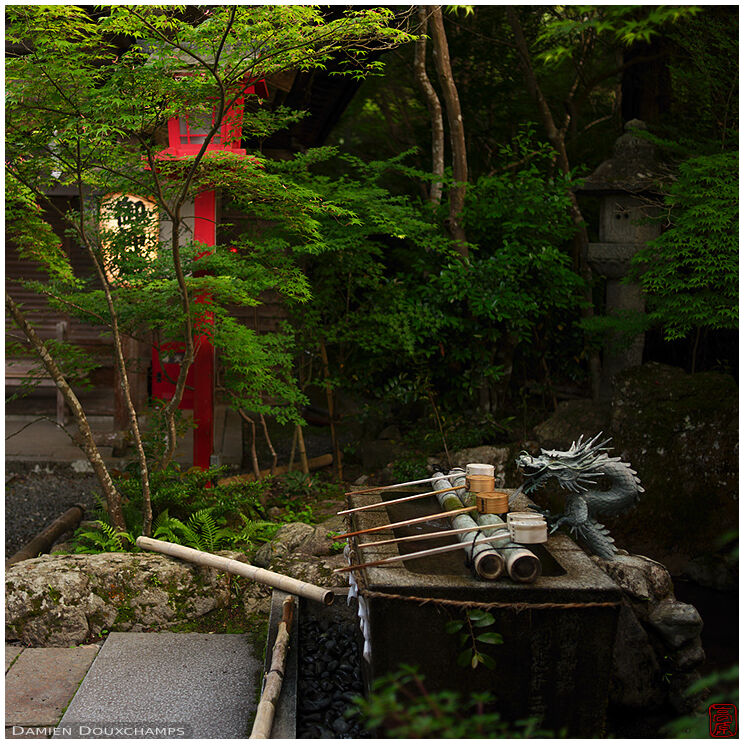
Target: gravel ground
33 500
329 678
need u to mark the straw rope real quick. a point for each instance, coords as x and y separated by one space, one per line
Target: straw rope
516 606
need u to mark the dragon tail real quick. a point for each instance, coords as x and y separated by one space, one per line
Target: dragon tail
597 538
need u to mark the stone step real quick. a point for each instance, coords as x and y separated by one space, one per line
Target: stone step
166 685
39 683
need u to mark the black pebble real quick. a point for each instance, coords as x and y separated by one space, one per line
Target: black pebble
329 679
340 726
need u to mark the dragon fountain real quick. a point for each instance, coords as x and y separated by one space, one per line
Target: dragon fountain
576 470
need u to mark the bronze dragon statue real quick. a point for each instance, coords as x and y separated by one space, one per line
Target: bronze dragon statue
576 470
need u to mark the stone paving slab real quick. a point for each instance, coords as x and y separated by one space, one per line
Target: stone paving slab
166 685
41 682
11 654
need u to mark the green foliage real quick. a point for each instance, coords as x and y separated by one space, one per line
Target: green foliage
704 70
690 272
193 509
361 307
26 226
87 115
469 636
724 688
201 532
392 301
402 708
517 279
566 31
409 467
461 430
102 539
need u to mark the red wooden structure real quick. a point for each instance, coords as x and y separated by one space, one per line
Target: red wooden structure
186 136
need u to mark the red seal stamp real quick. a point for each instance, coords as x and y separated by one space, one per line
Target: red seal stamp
722 721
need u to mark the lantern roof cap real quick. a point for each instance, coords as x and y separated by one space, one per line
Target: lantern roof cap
632 167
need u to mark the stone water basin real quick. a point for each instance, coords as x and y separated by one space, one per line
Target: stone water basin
554 663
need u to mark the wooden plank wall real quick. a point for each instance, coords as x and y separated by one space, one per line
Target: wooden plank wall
263 319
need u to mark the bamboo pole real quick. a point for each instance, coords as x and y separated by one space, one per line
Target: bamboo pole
273 685
383 504
429 535
261 575
406 522
411 556
487 562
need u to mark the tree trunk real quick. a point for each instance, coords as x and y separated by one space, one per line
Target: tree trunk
126 397
268 443
254 456
169 409
435 109
456 128
329 398
112 496
557 138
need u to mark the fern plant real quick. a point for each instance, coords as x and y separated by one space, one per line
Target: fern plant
104 539
202 531
255 531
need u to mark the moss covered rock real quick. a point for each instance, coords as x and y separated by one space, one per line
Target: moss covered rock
62 600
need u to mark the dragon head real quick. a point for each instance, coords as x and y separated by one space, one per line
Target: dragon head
574 468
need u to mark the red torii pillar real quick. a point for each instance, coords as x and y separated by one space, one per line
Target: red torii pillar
186 138
205 232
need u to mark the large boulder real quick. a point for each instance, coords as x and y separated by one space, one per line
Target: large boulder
63 600
571 419
306 553
286 540
680 433
657 648
636 680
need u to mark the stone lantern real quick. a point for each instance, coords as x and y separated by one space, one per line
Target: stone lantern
627 185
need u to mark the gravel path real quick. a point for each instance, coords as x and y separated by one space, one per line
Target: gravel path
33 500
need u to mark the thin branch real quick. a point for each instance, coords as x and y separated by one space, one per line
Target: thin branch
254 456
35 421
268 442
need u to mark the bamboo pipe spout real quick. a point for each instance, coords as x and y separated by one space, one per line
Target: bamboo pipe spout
522 564
418 554
261 575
